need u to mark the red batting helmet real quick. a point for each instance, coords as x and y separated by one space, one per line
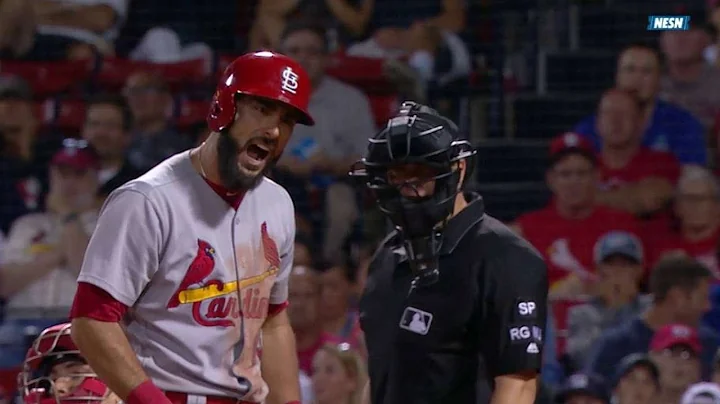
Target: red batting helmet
38 385
261 74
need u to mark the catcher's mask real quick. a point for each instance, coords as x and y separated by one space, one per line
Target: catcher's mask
55 372
417 139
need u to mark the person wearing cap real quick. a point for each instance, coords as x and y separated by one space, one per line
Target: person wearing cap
636 381
25 152
667 127
676 349
701 393
618 262
583 388
567 229
680 287
64 228
689 81
633 178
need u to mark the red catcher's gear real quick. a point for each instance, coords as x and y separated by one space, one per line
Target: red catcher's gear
261 74
55 344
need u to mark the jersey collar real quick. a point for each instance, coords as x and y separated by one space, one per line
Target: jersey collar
461 223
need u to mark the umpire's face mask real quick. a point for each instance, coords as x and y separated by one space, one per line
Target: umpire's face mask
419 199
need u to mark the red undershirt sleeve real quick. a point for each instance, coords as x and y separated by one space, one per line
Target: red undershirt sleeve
94 303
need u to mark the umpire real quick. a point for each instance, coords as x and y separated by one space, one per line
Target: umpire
454 301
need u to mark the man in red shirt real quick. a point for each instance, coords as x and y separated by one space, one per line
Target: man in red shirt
566 231
633 178
697 207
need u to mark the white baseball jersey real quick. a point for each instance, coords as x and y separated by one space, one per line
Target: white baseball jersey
197 274
34 234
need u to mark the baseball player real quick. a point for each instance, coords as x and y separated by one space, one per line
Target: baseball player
54 371
185 277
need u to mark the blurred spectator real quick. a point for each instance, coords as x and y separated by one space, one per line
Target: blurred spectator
304 293
581 388
164 45
303 252
338 375
72 211
338 316
619 267
680 288
345 20
108 121
153 137
637 381
427 35
690 82
323 153
552 371
697 229
633 178
675 349
25 152
69 29
17 29
666 127
701 393
566 231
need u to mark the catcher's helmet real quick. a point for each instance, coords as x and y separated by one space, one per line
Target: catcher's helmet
38 385
261 74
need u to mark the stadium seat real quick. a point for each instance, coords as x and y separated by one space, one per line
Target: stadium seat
8 380
49 78
365 73
113 72
64 115
579 72
542 117
384 107
516 161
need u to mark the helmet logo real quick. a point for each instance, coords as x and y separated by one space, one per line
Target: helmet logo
289 80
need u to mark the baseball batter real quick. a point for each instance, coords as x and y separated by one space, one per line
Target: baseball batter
182 294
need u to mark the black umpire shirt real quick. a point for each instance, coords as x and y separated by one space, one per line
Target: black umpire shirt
444 343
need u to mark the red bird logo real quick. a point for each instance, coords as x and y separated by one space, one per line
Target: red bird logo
200 268
269 247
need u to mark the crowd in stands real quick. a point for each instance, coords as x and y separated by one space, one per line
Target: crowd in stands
95 93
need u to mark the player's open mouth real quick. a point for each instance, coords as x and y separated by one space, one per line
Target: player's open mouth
256 154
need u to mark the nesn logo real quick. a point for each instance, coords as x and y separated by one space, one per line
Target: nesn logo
668 23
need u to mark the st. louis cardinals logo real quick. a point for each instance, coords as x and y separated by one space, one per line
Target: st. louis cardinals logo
216 303
289 80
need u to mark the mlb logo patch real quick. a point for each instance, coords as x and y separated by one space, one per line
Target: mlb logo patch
416 320
668 23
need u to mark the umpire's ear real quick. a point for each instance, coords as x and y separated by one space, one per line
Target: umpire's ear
462 167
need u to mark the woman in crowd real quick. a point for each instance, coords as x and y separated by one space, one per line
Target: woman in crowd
339 375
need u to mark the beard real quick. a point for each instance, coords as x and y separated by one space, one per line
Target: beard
231 177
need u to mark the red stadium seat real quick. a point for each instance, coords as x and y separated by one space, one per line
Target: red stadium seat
560 310
49 78
384 107
113 72
365 73
63 115
190 113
